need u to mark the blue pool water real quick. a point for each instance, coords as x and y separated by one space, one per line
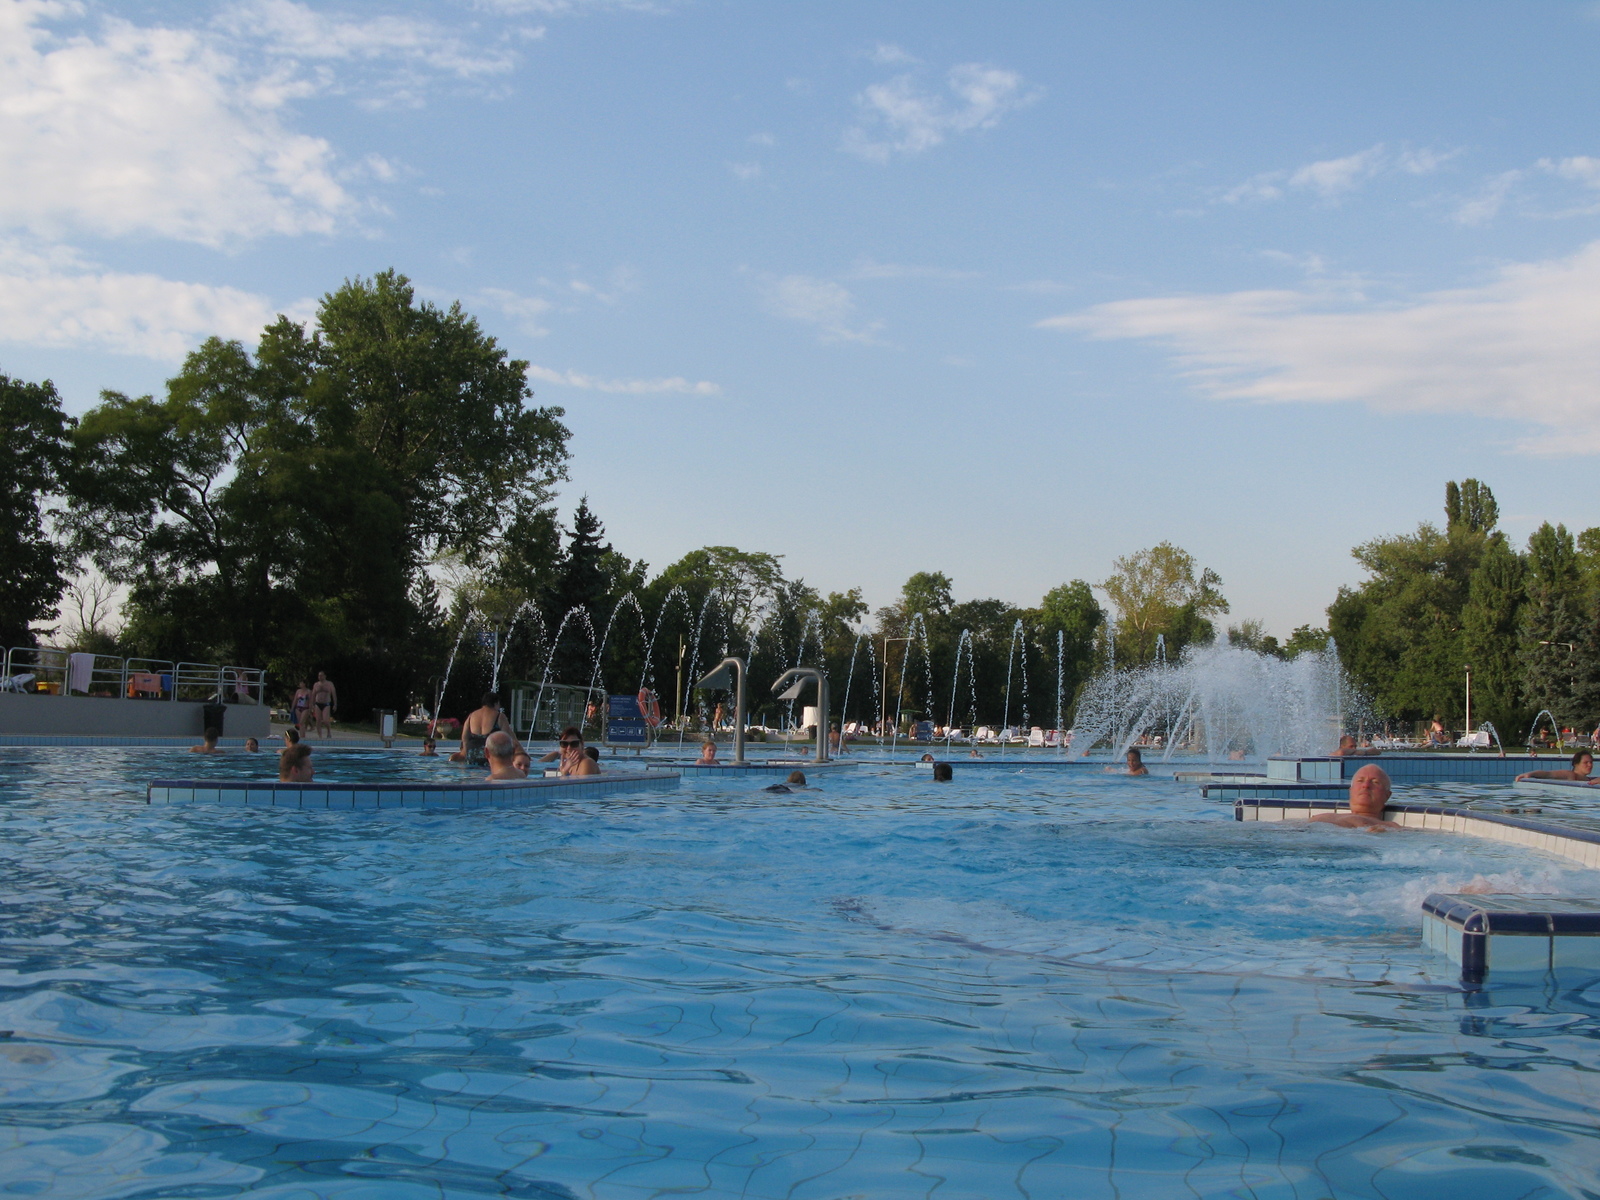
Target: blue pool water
1032 984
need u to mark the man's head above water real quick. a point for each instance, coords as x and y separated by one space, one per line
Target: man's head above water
1370 791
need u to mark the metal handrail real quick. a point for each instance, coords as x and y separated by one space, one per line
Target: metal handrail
114 676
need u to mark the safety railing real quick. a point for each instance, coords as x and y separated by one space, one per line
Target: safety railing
49 670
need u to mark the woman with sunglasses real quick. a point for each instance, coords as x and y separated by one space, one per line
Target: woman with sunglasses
573 760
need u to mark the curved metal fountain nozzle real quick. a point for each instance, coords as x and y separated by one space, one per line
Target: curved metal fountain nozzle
730 673
801 676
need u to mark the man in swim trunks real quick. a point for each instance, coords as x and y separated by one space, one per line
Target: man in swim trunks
1369 794
324 703
500 748
475 730
1582 765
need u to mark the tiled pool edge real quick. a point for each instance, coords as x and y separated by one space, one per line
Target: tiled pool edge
272 794
1581 845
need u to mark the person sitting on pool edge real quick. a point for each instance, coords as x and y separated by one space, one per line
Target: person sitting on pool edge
294 764
1582 765
208 743
1369 795
498 749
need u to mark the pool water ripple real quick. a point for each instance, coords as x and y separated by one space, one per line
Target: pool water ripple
1026 984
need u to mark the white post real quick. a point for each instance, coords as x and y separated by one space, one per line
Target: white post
1469 700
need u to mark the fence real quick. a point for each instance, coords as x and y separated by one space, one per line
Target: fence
48 670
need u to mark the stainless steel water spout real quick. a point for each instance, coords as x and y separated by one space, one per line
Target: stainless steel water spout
800 675
730 672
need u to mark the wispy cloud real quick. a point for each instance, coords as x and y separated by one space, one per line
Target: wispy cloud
54 297
822 303
527 311
1485 205
624 387
890 55
1520 347
900 118
1331 178
868 268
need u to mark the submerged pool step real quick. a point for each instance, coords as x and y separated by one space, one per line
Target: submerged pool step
271 794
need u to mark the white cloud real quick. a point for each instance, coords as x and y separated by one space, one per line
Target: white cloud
302 37
1580 169
625 387
1521 347
139 130
745 171
868 268
526 311
1486 205
55 298
1333 177
889 55
820 302
899 118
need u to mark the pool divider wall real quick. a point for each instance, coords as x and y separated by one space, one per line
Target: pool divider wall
272 794
1512 934
1571 841
1410 768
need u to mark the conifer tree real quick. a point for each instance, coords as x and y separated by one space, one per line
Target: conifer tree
1490 630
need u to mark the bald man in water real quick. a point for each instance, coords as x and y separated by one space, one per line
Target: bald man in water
1369 794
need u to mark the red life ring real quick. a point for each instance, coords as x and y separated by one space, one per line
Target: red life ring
649 707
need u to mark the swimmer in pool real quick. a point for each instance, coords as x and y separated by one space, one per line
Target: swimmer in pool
208 743
499 748
1135 765
1582 765
708 754
294 764
795 783
1369 794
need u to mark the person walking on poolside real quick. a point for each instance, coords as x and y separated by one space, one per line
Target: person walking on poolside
1582 765
300 707
1369 795
487 718
324 703
500 748
294 764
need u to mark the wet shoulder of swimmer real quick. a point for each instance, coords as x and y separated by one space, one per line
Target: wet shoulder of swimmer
795 783
1369 796
1135 766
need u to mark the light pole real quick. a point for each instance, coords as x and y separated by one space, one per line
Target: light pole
1469 700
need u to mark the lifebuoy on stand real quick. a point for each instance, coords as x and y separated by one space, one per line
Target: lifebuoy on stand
649 707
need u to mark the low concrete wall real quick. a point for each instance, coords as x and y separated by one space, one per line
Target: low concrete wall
89 715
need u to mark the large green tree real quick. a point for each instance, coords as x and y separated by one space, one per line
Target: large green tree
1491 635
1399 632
280 508
33 431
1162 592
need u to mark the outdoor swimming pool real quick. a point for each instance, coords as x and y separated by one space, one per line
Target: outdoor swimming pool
1041 983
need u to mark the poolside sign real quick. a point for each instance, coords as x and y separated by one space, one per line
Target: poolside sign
625 724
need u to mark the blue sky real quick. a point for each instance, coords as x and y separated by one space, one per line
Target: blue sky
1004 290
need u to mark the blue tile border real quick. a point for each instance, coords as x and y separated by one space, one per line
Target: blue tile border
400 795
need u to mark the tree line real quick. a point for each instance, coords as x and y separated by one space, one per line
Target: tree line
1458 596
355 492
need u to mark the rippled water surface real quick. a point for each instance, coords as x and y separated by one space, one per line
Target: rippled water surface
1046 983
